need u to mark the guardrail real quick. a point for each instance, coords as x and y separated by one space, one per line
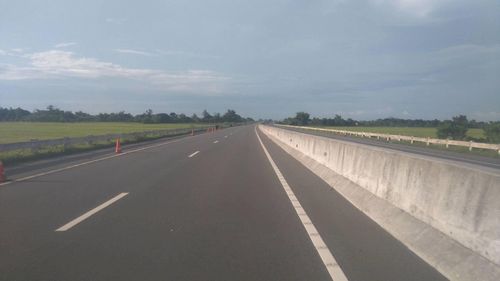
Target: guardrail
411 139
37 145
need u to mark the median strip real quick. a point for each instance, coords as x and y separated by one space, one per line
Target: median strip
88 214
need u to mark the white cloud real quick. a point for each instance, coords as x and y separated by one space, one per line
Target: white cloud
419 8
64 44
15 52
58 64
159 52
187 54
134 52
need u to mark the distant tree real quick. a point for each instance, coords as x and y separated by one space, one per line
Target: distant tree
53 114
146 117
174 117
338 121
162 118
184 119
83 117
302 118
195 118
122 116
206 117
231 116
455 129
11 114
492 132
290 121
216 118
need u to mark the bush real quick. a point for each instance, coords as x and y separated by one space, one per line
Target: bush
492 132
455 129
302 118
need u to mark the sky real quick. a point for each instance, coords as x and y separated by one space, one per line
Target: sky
363 59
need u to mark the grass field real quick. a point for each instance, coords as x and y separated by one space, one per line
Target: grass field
11 132
407 131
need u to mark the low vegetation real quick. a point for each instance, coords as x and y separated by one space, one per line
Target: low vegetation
459 128
11 132
421 132
20 125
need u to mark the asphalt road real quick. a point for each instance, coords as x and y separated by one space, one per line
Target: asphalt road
207 207
461 158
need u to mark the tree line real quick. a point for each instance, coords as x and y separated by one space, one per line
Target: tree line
456 128
53 114
303 118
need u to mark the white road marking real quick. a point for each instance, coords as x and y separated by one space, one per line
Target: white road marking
88 162
194 154
225 136
329 261
216 141
85 216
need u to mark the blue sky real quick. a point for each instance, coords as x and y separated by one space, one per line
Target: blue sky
363 59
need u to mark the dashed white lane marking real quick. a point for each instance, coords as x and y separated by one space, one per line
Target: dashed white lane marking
216 141
85 216
193 154
225 136
329 261
86 163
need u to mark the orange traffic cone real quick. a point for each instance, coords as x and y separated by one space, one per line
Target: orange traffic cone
3 178
118 147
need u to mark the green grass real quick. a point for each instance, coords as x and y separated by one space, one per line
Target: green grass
425 132
407 131
11 132
23 131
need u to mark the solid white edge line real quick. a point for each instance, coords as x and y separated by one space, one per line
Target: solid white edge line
88 162
85 216
193 154
326 256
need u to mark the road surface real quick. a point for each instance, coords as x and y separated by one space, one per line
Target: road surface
209 207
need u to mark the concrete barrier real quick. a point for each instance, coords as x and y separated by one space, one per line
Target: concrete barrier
447 213
411 139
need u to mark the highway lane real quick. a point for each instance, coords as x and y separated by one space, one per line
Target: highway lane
364 250
220 214
461 158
